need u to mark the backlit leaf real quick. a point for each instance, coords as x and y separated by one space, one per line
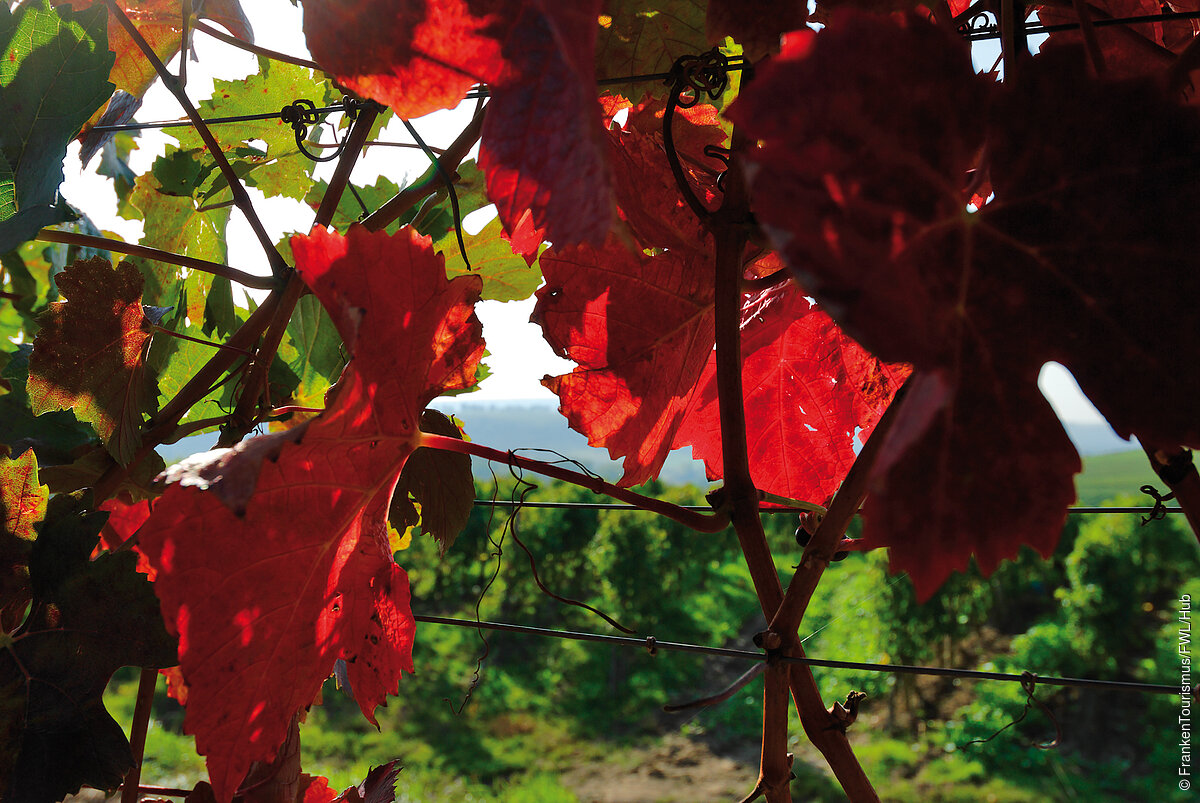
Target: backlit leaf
541 147
53 76
90 355
305 511
636 39
160 22
641 329
22 505
506 276
811 390
867 194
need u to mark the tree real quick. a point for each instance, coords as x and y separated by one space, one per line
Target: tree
960 231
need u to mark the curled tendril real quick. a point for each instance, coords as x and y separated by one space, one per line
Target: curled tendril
302 113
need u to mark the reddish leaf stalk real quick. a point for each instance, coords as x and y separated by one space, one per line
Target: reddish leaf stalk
215 268
1177 470
250 47
279 268
201 341
701 522
410 196
730 225
137 736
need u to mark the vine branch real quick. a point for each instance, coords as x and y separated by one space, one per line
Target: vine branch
701 522
246 413
730 225
250 47
137 736
828 538
429 183
279 268
158 255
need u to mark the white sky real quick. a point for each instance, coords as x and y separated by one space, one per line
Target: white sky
519 356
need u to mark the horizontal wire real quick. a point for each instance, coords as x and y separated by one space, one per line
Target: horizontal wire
480 91
706 508
652 643
993 31
241 118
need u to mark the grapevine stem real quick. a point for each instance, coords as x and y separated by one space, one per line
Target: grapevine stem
701 522
132 249
828 537
428 184
202 342
250 47
137 733
279 268
730 224
165 423
245 414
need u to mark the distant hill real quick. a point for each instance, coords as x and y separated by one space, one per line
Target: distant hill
1107 476
526 426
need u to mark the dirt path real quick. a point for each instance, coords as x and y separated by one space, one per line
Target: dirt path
674 771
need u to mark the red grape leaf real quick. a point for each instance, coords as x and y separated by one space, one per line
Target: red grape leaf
646 191
640 329
811 389
90 355
866 191
22 505
542 148
417 56
272 560
1128 50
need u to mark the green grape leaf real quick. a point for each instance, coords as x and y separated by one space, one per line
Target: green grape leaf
176 224
53 75
274 171
313 350
89 618
177 361
506 276
348 210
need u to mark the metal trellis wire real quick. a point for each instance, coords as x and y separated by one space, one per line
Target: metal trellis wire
653 645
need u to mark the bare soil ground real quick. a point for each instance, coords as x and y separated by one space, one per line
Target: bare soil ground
676 770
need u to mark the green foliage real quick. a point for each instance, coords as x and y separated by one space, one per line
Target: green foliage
53 76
